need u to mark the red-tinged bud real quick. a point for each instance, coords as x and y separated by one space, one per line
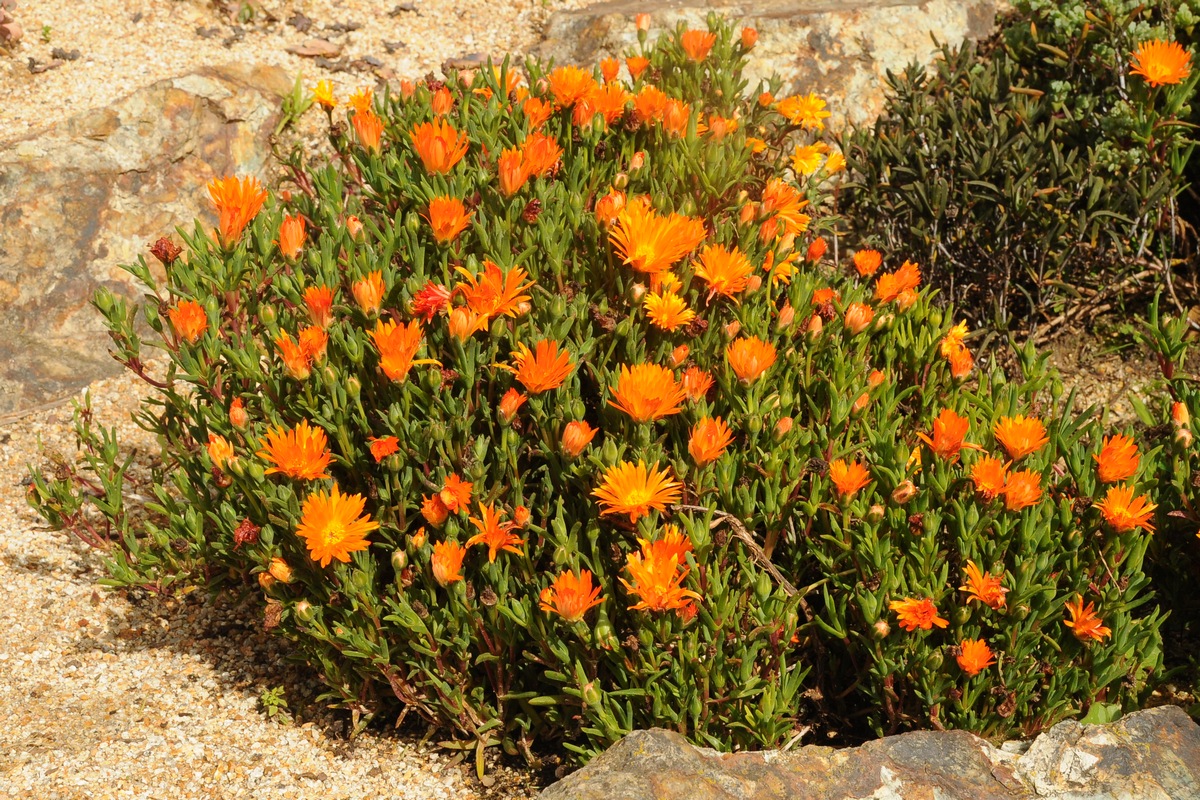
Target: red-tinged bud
642 21
749 38
766 99
815 326
787 242
1184 437
637 292
748 213
860 403
876 378
783 427
280 570
816 250
679 355
266 580
753 283
787 315
906 299
577 436
417 540
638 161
1180 415
511 403
238 417
733 328
882 629
521 516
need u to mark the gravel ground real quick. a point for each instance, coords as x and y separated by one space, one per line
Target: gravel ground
113 695
126 44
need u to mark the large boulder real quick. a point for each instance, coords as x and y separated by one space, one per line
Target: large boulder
91 193
1148 755
840 49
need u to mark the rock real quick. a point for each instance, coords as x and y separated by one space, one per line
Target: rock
93 192
839 49
1148 755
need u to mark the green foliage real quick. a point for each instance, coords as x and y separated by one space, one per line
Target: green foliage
274 703
778 612
1036 171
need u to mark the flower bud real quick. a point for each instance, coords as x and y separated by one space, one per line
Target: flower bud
305 611
417 540
510 403
748 212
1180 415
787 315
620 181
753 283
577 436
521 516
591 695
637 292
280 570
638 161
399 560
876 378
816 250
904 492
266 580
749 38
875 513
787 242
882 629
642 21
765 99
860 403
237 414
884 321
733 328
815 326
1184 437
906 299
679 355
783 427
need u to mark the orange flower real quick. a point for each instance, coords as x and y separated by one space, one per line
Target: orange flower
430 299
494 292
848 477
382 448
984 587
816 250
607 101
657 578
300 453
434 510
609 207
540 153
696 383
949 431
570 596
652 243
368 127
577 436
635 490
447 562
914 613
808 111
1023 489
569 84
296 358
858 317
448 217
1020 435
961 360
609 67
697 44
511 403
464 323
750 358
749 38
1118 459
360 101
333 525
724 270
676 115
1161 62
1125 513
237 202
990 475
291 236
649 104
544 368
456 493
889 285
369 291
397 344
781 204
439 145
647 392
642 21
1085 622
441 102
636 66
319 300
220 451
668 311
679 355
708 441
536 111
495 534
867 262
188 319
513 174
974 656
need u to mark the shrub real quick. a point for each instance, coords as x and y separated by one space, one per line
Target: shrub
1036 170
550 426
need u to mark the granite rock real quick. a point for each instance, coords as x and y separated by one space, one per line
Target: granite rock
92 192
1147 755
840 49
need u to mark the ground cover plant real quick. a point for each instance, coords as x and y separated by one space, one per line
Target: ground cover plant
1038 176
555 407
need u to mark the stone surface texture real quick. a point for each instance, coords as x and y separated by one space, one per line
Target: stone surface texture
1148 755
91 193
840 49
